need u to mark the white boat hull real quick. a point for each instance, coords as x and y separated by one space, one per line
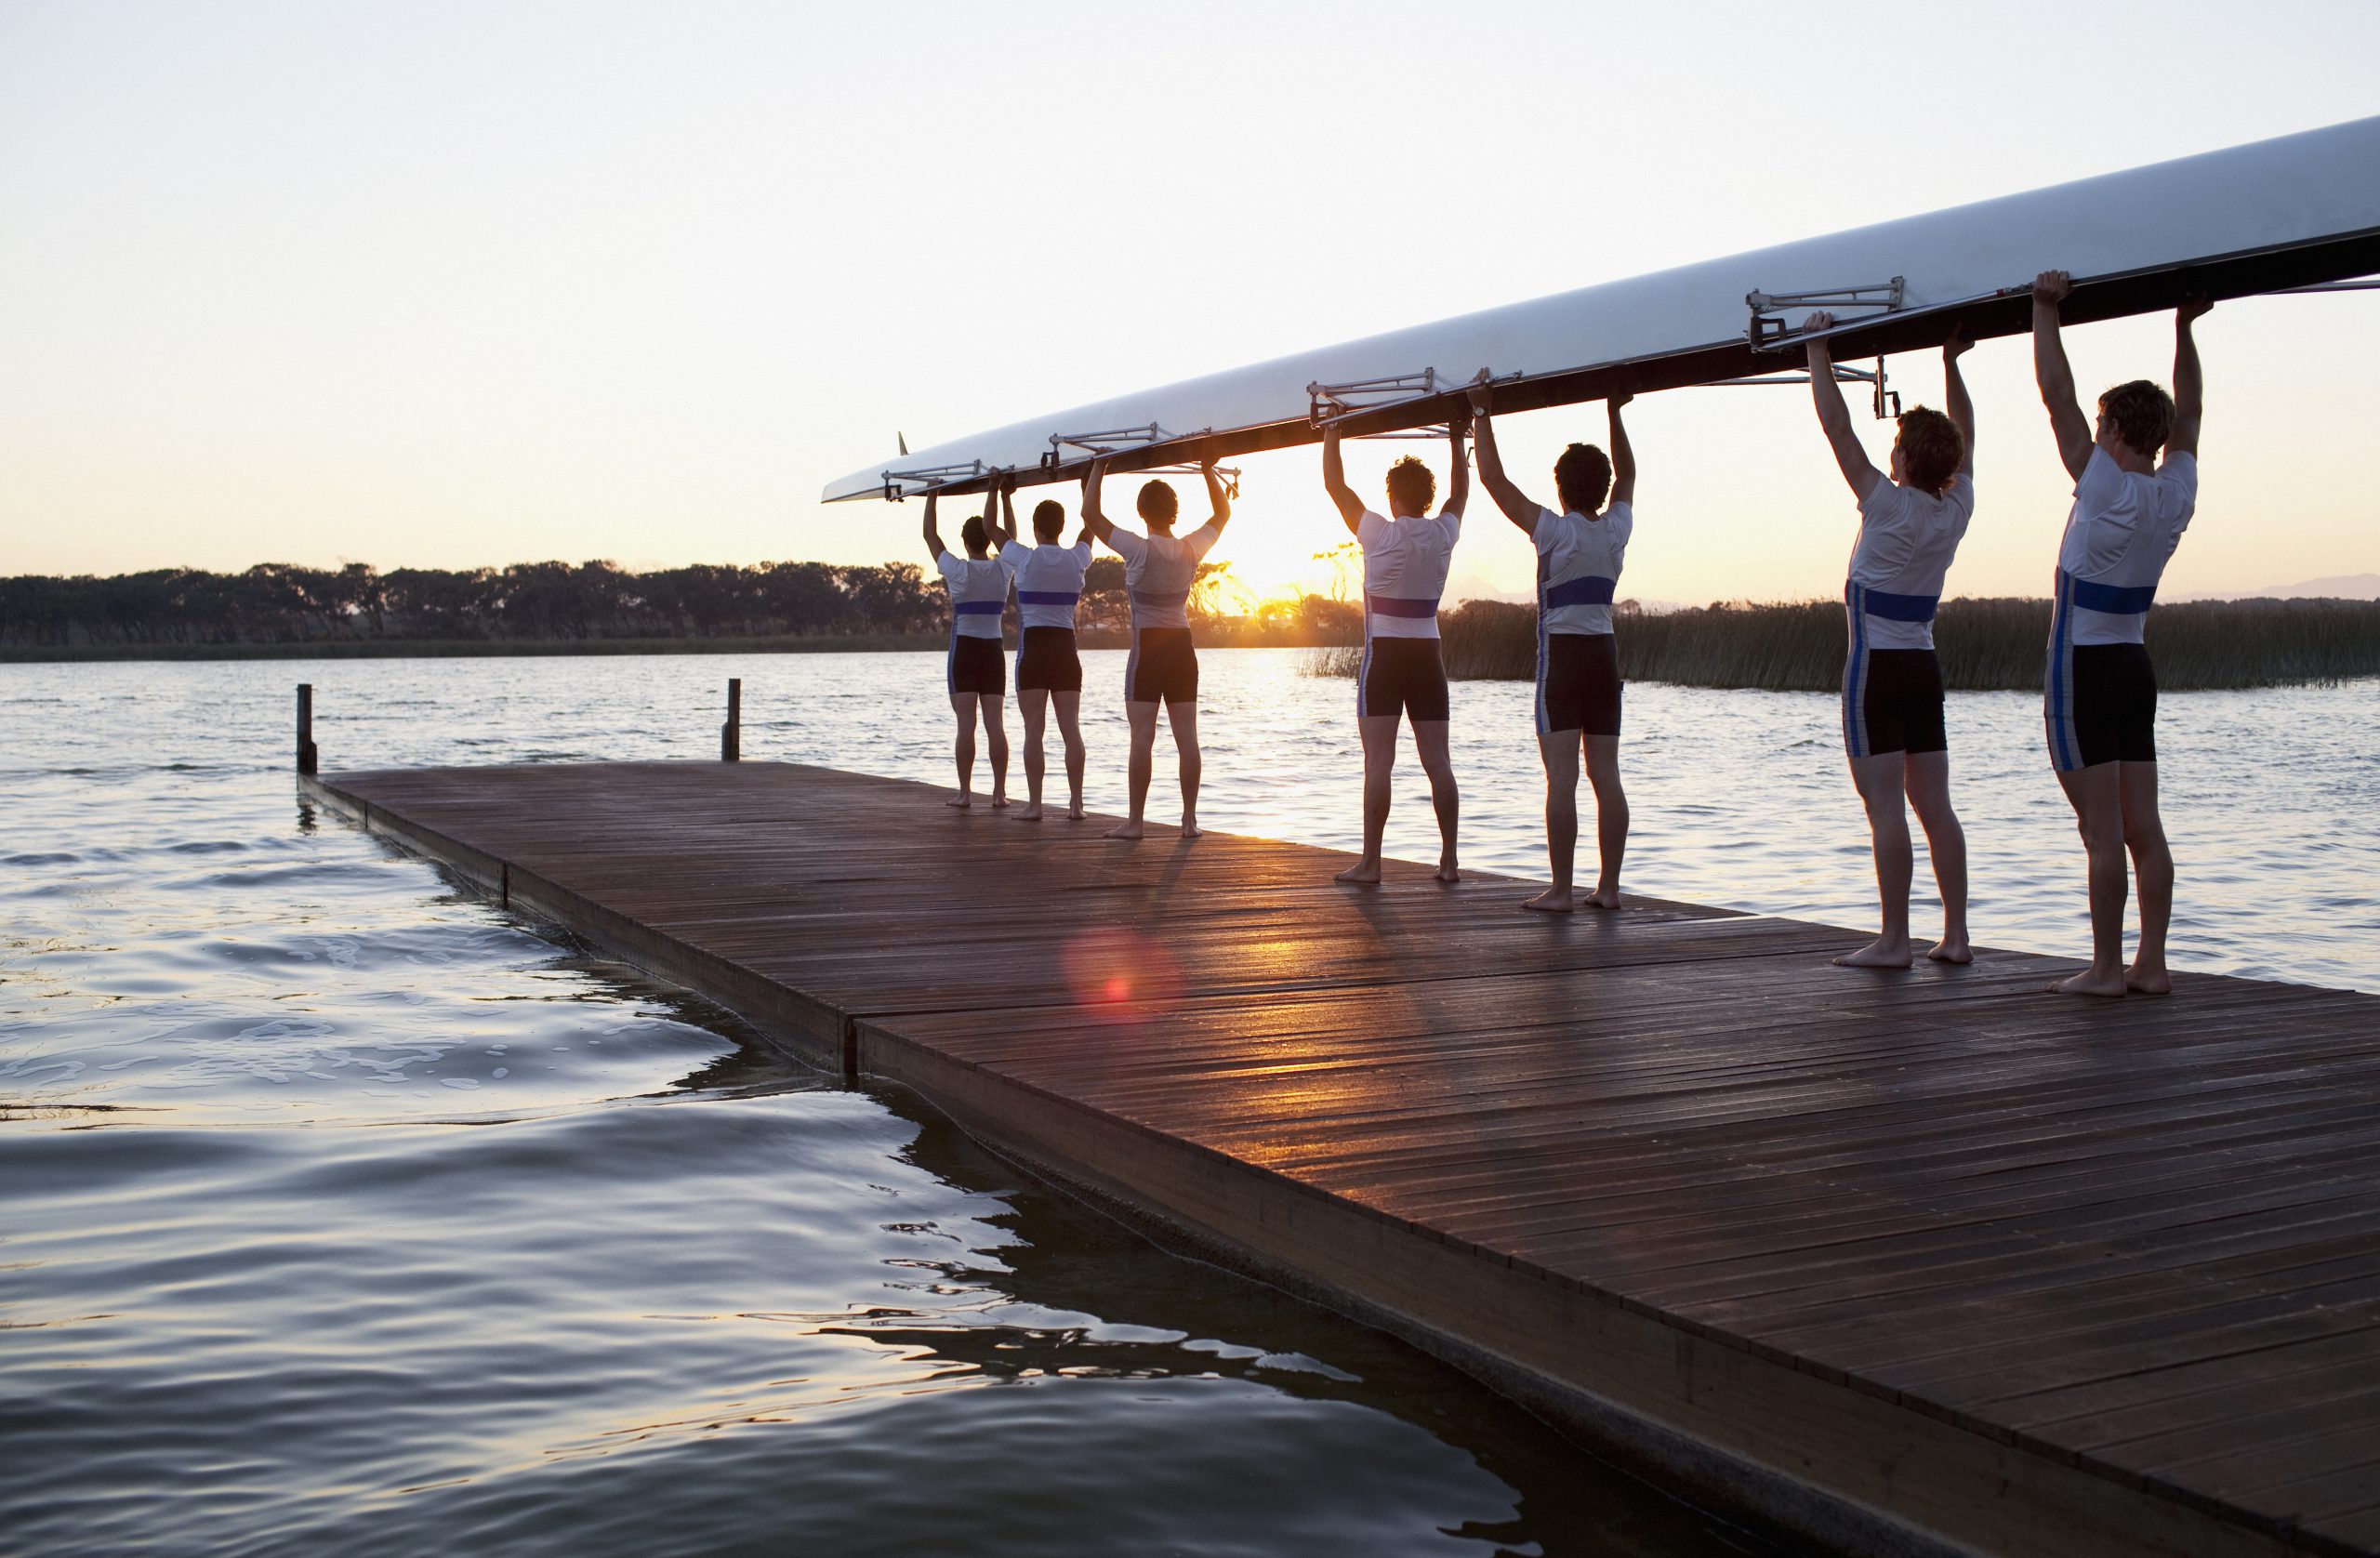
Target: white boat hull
2289 212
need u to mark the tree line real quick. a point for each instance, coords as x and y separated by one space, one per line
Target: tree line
275 602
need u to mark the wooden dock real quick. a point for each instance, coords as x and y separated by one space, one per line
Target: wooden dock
1902 1263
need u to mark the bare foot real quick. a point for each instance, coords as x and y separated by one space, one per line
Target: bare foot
1031 813
963 802
1362 871
1604 898
1000 802
1076 813
1949 949
1190 827
1125 831
1553 900
1878 954
2147 982
2089 981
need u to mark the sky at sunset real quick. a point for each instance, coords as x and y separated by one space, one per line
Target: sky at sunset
447 285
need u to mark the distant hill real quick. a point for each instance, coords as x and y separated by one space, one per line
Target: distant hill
2341 586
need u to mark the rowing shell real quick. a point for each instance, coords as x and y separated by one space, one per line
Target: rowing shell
2296 211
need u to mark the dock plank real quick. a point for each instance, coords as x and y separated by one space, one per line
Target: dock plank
2107 1275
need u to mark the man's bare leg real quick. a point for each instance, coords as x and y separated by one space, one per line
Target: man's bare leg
1560 753
1378 734
1879 779
2153 866
2097 795
1611 816
964 705
1184 717
996 733
1143 717
1034 703
1069 708
1926 777
1430 744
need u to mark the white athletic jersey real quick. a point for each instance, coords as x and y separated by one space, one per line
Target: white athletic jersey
1159 571
1578 567
1907 539
1404 572
1049 581
978 594
2118 540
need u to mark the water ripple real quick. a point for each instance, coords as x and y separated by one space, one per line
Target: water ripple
341 1212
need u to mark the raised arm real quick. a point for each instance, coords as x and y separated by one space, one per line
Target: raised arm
1334 480
1954 396
1004 531
1093 522
2190 383
1623 455
1834 416
1216 499
1516 505
934 547
1458 483
2054 375
992 530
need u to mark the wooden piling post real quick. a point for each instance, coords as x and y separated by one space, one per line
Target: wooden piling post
730 734
306 754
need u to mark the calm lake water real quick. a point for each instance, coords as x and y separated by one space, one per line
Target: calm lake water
340 1211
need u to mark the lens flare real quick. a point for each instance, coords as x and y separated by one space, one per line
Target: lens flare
1112 966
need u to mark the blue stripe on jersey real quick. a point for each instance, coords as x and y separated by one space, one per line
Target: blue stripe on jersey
1855 674
980 608
1396 605
1544 722
1590 590
2115 599
2058 709
1047 597
1899 608
1364 666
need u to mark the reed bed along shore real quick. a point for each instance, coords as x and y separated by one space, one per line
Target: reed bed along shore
1985 645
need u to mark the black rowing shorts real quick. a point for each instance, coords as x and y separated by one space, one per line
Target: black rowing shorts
1046 659
976 665
1163 668
1402 676
1577 683
1892 702
2108 707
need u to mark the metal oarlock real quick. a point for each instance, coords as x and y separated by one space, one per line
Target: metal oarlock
1103 440
929 477
1227 474
1434 433
1768 334
1327 403
1883 398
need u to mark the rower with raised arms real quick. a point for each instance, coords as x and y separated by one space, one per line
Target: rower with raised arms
1579 556
978 681
1406 558
1894 732
2099 698
1159 568
1049 671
